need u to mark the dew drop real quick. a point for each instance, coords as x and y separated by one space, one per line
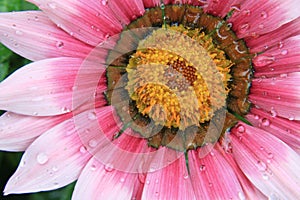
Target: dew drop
59 44
65 109
270 155
246 12
291 117
261 166
122 180
162 6
22 163
202 168
261 26
264 14
283 75
261 61
92 116
18 32
236 7
265 122
93 143
241 129
83 149
273 112
185 176
42 158
104 2
147 182
93 167
241 196
244 28
284 52
265 176
280 45
256 117
55 168
210 184
274 197
109 167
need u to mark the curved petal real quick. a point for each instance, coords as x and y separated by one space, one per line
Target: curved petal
281 59
286 130
17 132
32 35
260 17
52 161
171 182
250 191
126 10
212 177
87 20
271 165
98 181
43 89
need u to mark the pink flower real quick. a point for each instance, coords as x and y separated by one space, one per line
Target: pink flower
78 117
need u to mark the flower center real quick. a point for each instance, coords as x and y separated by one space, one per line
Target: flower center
181 84
169 88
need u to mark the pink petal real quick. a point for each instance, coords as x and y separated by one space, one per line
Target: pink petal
171 182
259 17
212 177
98 181
221 8
52 161
275 93
86 20
32 35
17 132
271 165
127 10
43 88
286 130
275 37
281 59
250 191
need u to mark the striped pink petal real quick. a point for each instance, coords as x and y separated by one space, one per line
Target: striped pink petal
286 130
281 59
41 89
52 161
212 176
271 165
259 17
18 31
87 20
98 181
171 182
17 132
275 93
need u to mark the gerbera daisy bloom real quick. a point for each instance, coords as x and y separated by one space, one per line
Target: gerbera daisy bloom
150 99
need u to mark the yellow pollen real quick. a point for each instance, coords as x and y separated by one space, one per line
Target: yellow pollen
170 88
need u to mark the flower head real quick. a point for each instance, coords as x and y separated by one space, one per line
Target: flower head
151 99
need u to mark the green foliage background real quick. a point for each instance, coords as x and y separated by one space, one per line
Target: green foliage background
9 62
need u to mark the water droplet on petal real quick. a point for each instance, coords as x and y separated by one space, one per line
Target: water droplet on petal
109 167
104 2
210 184
270 155
42 158
55 168
92 116
202 168
162 6
265 122
59 44
236 7
22 163
264 14
122 180
186 176
244 28
291 117
83 149
261 165
93 143
284 52
241 196
93 167
261 61
273 112
18 32
246 12
274 197
241 129
261 26
265 176
147 182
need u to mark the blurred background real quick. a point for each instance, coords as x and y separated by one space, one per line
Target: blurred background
9 62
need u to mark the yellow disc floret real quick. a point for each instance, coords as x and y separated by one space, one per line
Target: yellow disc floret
179 83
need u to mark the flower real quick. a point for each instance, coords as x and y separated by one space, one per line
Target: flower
155 100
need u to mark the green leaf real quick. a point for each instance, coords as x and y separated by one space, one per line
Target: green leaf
15 5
